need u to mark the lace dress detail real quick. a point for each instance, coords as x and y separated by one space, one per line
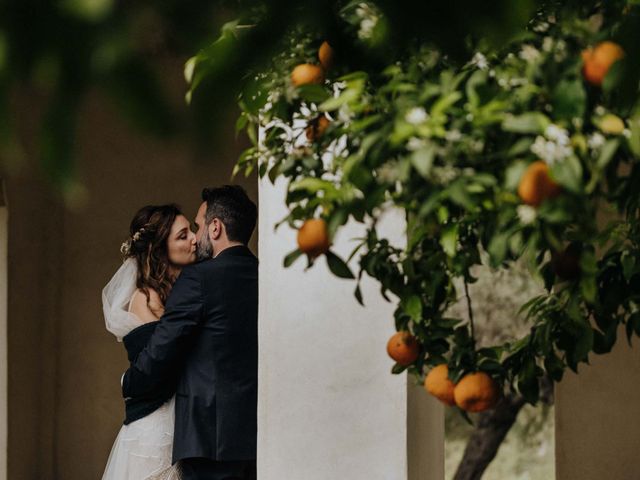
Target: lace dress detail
142 450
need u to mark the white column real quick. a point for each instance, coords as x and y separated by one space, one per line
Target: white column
4 217
328 405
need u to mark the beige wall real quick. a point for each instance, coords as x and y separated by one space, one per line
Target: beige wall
597 417
3 333
64 371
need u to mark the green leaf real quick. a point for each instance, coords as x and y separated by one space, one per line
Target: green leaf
358 294
422 160
459 194
291 258
313 93
628 262
613 77
337 266
588 288
514 174
522 146
634 140
568 173
554 367
313 185
241 123
531 122
528 381
498 249
569 99
398 369
349 95
413 307
582 343
608 151
442 105
449 240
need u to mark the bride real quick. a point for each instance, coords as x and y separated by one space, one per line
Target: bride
160 244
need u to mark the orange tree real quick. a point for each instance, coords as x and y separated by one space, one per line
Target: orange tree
514 151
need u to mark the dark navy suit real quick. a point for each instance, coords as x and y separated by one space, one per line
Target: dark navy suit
206 343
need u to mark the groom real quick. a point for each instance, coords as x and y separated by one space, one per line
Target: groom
207 344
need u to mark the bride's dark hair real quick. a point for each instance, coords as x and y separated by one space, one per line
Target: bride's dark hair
149 231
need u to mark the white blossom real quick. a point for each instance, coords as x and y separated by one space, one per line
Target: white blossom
541 27
415 143
444 174
416 116
338 87
477 146
368 20
345 114
388 172
550 151
595 141
561 51
557 134
479 61
529 53
453 135
527 214
516 82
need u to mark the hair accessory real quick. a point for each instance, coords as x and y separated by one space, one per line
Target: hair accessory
125 248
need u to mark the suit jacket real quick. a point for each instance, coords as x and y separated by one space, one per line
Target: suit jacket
207 342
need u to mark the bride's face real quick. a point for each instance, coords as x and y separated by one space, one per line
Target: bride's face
181 243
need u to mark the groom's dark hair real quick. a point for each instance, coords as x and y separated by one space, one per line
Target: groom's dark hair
232 206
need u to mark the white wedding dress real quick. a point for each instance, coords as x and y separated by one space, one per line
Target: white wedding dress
142 449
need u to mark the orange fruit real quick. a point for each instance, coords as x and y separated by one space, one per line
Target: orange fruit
476 392
316 128
307 73
403 348
596 61
326 55
313 238
438 384
536 185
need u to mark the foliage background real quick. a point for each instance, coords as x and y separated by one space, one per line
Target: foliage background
448 141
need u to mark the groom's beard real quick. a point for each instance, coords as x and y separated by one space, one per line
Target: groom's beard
204 249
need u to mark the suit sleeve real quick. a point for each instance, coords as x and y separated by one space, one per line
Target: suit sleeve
158 362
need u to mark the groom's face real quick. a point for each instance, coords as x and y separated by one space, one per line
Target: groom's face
204 248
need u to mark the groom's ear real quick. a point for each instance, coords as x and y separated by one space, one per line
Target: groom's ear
215 229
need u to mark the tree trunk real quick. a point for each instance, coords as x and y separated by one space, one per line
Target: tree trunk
491 428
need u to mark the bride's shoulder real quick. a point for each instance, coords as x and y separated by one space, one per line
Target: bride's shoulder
147 310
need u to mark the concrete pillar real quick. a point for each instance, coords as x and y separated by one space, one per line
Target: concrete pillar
597 424
328 405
